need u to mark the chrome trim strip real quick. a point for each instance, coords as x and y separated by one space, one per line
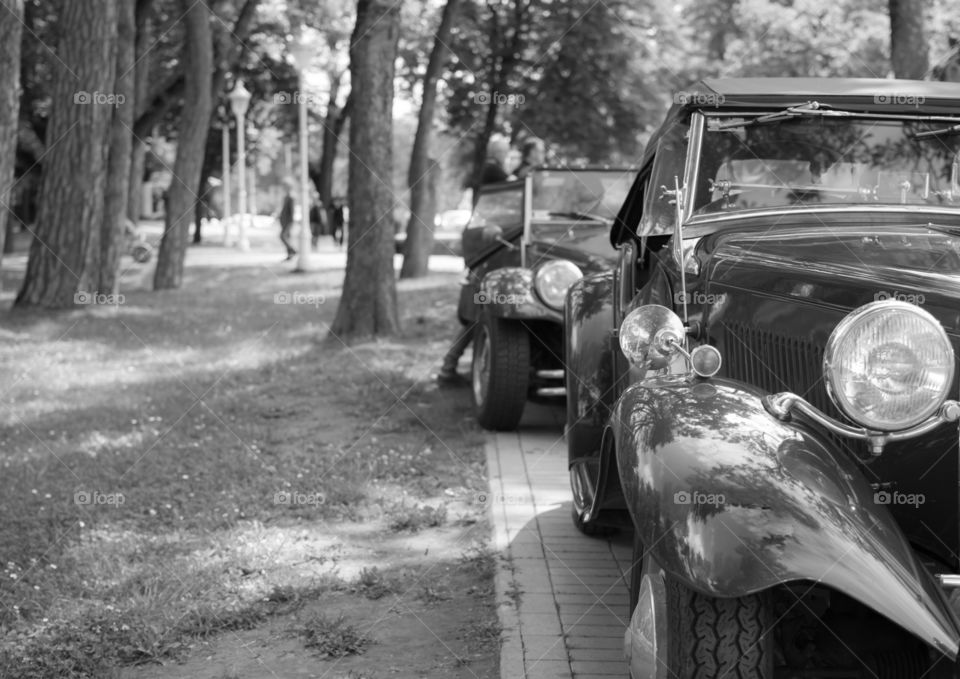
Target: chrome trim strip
783 404
703 220
949 580
527 215
551 374
551 391
692 167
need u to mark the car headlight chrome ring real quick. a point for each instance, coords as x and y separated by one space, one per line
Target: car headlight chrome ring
553 279
889 365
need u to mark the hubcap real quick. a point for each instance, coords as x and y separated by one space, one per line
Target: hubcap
481 367
645 641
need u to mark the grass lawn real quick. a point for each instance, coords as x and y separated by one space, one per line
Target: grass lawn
203 483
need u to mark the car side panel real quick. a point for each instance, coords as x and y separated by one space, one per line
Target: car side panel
589 361
733 501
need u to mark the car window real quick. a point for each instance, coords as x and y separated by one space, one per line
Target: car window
659 212
595 192
817 161
502 207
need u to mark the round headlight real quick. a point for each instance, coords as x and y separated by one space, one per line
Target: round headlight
888 365
553 279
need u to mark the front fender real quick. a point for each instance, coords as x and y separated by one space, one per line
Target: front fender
733 501
509 293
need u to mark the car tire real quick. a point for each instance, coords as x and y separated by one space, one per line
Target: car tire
500 372
709 637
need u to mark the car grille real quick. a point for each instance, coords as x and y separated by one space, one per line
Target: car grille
776 362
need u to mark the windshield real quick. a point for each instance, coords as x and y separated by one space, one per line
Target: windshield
807 162
586 192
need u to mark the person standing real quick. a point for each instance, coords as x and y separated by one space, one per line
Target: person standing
534 154
286 219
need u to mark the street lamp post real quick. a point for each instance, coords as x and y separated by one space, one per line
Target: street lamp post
225 144
239 101
302 54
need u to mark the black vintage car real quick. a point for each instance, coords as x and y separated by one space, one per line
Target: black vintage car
526 242
763 386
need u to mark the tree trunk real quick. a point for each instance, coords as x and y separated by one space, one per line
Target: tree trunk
908 48
419 244
332 129
416 255
138 150
11 18
191 145
65 252
121 144
368 305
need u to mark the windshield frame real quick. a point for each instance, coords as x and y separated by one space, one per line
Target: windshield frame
698 130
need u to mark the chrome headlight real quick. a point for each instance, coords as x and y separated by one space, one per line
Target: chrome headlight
553 279
888 365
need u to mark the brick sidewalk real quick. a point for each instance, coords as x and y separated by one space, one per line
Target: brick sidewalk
562 596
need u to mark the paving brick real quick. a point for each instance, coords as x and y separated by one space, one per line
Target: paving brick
576 640
547 669
597 631
598 668
541 647
540 623
537 603
607 654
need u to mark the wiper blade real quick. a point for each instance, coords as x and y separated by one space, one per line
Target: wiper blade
811 108
953 129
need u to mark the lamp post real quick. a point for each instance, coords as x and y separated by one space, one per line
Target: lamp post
239 101
225 145
302 53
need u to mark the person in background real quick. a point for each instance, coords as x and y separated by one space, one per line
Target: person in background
534 154
493 171
493 167
285 217
338 221
317 226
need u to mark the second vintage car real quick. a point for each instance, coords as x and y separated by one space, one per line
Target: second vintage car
764 387
526 243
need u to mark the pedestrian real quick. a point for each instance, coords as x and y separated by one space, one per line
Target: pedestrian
534 154
338 221
493 171
285 218
317 226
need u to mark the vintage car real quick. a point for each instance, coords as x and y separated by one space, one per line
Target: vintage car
526 242
764 385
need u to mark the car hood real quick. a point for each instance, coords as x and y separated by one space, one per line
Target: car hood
845 266
586 245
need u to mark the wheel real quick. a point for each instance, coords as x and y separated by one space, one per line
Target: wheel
679 633
500 372
141 254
